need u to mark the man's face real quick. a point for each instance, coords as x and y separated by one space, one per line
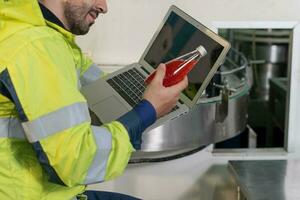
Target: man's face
81 14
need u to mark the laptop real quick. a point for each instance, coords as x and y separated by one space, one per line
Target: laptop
120 91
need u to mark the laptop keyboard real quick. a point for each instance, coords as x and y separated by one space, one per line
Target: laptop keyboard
131 86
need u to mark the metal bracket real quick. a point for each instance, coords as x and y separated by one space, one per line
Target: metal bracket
222 107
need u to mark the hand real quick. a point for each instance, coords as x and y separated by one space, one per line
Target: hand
163 98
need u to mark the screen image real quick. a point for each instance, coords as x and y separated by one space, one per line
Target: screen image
178 37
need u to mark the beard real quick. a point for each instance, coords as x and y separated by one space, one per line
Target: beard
76 17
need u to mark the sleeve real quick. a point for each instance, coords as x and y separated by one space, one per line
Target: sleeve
89 71
42 83
137 120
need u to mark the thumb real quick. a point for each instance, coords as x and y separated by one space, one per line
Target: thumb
160 73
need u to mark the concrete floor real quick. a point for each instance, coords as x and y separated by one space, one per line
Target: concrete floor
197 176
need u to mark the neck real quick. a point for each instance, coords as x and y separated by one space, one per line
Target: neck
56 7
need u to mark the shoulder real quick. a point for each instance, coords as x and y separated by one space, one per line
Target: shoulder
38 50
38 38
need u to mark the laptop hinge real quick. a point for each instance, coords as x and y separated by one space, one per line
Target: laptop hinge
145 70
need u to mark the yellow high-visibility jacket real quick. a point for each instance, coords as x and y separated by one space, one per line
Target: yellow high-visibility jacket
48 148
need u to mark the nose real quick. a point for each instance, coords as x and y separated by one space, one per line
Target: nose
102 5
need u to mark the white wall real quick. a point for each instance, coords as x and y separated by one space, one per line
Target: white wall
120 36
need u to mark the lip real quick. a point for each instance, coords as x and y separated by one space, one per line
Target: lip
93 14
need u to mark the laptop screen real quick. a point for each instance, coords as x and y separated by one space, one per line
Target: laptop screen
178 37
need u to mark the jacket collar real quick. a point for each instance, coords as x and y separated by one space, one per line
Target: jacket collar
55 23
50 16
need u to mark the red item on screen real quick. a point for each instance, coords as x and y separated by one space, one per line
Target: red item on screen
171 78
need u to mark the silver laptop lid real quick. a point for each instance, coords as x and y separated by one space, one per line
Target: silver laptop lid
178 34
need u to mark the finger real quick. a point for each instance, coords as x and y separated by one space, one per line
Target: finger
160 73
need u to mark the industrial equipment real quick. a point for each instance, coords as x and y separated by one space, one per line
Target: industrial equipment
220 114
268 52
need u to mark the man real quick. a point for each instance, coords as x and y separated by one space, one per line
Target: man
49 150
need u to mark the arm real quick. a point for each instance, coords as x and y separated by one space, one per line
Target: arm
88 71
158 101
42 83
56 122
137 120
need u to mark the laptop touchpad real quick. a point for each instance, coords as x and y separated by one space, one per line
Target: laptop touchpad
109 109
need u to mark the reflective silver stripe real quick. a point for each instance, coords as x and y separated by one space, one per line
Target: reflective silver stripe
56 121
11 128
74 198
78 82
92 74
97 170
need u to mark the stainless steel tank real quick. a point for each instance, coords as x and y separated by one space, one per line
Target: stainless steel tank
214 119
268 51
200 127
